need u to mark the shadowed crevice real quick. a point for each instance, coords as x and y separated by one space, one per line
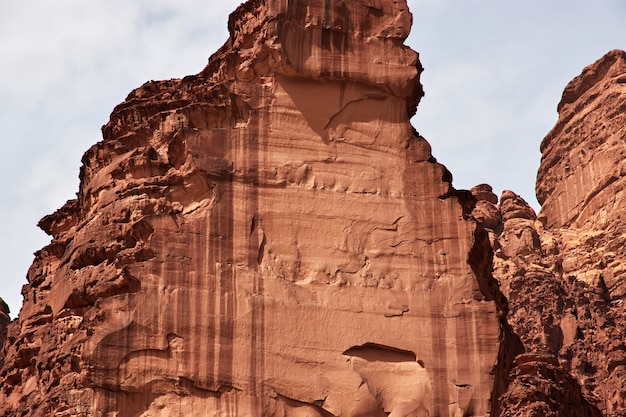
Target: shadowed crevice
374 352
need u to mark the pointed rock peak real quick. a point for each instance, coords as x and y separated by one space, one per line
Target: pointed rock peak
484 192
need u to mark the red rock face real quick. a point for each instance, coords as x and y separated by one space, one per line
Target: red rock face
563 272
581 177
268 237
271 237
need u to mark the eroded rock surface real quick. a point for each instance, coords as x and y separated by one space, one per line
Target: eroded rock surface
271 237
583 167
267 237
563 271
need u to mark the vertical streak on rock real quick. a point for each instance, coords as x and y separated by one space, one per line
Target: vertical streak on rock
438 325
327 13
208 284
327 34
416 195
335 36
462 372
258 135
222 235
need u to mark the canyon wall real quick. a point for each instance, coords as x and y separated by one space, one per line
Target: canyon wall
272 237
267 237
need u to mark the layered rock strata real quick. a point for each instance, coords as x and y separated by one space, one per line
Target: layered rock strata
272 237
4 322
267 237
563 272
581 177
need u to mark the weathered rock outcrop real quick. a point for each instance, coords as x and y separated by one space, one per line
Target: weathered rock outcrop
268 237
563 271
271 237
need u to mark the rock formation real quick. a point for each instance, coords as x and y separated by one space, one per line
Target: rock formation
268 237
563 271
272 237
581 177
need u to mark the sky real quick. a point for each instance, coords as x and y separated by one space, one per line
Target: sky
494 74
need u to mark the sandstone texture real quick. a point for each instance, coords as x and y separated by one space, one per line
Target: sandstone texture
267 237
563 271
583 166
271 237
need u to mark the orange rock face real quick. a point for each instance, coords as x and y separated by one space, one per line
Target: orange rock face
563 271
268 237
583 166
271 237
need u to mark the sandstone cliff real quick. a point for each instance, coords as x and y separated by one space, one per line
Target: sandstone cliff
563 271
268 237
272 237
